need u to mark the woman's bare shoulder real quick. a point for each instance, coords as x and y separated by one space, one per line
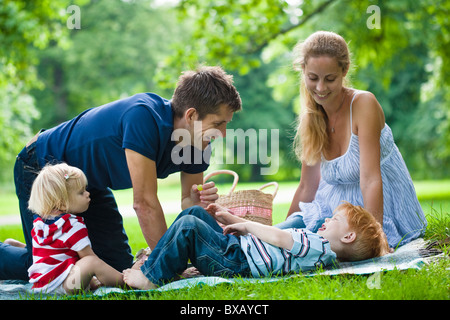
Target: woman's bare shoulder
367 108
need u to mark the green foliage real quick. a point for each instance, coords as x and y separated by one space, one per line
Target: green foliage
259 106
23 25
403 62
26 24
17 112
113 55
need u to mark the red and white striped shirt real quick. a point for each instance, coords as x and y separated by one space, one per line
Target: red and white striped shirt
55 247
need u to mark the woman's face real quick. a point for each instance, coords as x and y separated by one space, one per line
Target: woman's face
323 78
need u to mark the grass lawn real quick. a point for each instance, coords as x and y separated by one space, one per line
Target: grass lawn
429 283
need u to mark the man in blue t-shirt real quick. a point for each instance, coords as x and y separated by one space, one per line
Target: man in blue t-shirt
129 143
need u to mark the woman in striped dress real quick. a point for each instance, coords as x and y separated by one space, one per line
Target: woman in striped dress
346 149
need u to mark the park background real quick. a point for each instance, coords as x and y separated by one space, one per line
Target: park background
60 57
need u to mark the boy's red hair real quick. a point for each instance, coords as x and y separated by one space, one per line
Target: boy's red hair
370 240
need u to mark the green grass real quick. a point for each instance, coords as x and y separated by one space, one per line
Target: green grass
426 283
429 283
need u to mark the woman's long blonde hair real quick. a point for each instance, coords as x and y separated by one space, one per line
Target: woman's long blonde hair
312 136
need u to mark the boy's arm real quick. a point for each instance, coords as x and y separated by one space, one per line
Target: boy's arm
274 236
223 215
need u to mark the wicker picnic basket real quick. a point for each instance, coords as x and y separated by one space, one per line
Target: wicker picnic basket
253 205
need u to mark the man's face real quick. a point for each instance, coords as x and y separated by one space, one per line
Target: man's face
211 127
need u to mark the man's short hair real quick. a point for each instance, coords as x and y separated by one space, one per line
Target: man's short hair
206 89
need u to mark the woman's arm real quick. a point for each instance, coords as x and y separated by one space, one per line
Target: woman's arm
368 123
306 191
274 236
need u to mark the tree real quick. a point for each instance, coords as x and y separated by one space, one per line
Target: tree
270 120
391 59
24 25
114 54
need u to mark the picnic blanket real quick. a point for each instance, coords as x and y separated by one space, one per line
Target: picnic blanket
415 255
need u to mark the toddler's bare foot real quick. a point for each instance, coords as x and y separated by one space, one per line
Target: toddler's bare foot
136 279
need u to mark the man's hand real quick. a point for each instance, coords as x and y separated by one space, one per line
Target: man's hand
196 194
204 194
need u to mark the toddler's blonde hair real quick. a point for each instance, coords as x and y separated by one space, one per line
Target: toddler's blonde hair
51 189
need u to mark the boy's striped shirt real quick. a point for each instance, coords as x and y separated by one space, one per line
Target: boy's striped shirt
308 252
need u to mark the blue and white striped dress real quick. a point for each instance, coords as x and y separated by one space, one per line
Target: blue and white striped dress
403 217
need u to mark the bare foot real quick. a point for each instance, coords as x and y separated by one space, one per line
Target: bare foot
136 279
14 243
94 284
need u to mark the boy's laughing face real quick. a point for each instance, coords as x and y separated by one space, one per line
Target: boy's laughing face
336 228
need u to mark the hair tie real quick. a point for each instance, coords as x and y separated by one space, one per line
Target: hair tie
66 176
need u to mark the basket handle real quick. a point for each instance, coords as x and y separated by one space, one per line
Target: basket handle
270 184
215 173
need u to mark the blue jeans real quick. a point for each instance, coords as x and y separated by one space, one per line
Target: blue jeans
14 262
103 220
197 237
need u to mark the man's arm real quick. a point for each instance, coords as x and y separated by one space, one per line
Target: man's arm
145 199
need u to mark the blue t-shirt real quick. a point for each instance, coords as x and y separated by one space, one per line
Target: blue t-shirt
95 141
